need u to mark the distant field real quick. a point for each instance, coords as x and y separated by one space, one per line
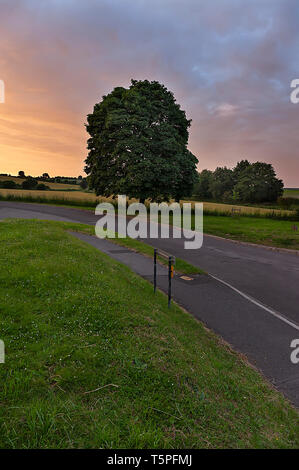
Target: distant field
51 185
71 195
291 193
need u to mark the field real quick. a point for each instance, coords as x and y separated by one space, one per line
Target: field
291 193
228 208
95 360
57 197
51 185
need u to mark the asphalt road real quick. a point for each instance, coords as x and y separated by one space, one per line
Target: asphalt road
251 298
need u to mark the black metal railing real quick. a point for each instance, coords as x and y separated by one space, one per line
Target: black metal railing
171 263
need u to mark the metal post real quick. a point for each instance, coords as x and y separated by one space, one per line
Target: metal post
155 269
169 280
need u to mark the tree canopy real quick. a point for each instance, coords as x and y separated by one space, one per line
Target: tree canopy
138 144
247 182
29 183
258 183
222 182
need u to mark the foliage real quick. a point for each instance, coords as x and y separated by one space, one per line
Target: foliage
222 182
239 168
42 187
202 186
138 144
8 184
29 183
83 184
247 183
288 202
258 183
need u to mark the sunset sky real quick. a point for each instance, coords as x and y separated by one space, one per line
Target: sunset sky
229 64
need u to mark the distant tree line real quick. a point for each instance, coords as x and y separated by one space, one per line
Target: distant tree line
247 182
55 179
28 183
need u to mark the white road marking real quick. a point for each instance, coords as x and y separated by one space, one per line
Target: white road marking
259 304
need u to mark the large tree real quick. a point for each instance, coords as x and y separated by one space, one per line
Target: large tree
239 169
202 187
138 144
258 183
222 182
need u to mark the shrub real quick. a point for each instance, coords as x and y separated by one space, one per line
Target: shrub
9 184
29 183
42 187
288 202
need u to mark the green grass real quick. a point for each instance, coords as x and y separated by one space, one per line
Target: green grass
276 233
181 266
264 231
75 321
291 192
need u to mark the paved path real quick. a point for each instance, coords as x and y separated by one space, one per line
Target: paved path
253 304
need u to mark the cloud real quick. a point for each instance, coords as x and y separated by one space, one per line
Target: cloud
225 109
229 64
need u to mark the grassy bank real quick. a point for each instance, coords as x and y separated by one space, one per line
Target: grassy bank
265 231
95 360
181 266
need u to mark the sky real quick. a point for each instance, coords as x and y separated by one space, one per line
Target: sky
229 64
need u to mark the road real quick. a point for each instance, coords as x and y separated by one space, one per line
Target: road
251 297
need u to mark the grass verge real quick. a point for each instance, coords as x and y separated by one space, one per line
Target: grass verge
261 231
181 266
276 233
94 359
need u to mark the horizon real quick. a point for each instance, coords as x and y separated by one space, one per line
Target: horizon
229 68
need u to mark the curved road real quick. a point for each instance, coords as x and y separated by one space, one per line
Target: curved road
251 299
